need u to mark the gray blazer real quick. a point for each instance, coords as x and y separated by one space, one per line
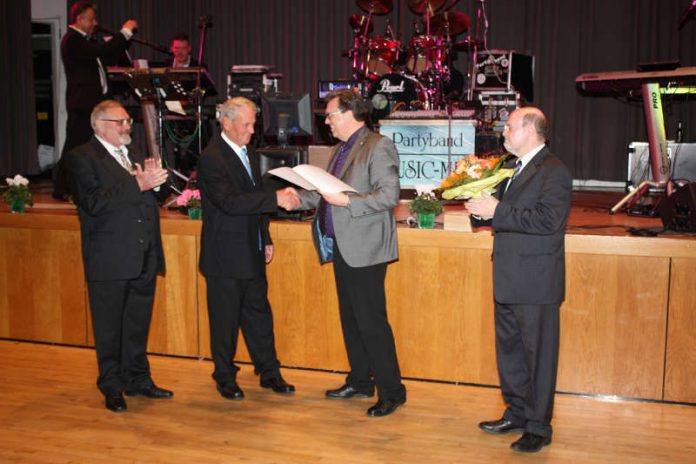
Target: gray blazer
365 229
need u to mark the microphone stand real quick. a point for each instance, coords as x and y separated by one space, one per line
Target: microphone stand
205 23
154 46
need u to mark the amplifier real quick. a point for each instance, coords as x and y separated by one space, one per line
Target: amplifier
496 108
682 160
505 70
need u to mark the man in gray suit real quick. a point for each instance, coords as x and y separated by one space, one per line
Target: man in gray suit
529 220
358 233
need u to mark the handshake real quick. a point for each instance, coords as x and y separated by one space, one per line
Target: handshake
288 199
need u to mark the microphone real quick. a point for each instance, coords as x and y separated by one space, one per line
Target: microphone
688 14
205 22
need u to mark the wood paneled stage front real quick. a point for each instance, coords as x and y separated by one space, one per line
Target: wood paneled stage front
626 324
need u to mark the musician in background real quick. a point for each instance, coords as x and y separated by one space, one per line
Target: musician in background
182 140
84 59
181 49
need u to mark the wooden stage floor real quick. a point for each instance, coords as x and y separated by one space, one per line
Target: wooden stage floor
51 411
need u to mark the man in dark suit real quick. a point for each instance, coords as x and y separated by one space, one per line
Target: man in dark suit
181 49
235 248
84 59
115 191
358 233
529 223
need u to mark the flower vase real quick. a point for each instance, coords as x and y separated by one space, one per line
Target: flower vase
194 213
17 206
426 221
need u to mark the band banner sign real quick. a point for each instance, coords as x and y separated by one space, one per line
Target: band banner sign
422 145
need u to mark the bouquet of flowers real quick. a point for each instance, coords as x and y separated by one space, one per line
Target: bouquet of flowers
190 199
474 175
18 193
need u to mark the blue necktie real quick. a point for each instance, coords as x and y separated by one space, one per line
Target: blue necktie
247 165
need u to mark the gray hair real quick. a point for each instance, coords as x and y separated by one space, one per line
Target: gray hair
100 109
231 106
537 119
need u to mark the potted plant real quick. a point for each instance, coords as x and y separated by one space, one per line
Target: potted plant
18 194
425 206
191 201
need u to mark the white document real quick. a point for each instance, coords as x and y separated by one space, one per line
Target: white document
312 178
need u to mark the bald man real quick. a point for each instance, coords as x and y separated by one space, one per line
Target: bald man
529 218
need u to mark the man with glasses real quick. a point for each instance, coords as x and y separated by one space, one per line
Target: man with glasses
116 192
358 233
529 218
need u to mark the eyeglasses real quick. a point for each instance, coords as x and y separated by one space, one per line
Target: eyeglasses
333 113
120 122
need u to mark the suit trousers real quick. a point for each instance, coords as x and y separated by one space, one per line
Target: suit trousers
121 313
235 304
526 341
367 334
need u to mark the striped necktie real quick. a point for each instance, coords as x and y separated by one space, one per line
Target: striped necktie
125 162
518 168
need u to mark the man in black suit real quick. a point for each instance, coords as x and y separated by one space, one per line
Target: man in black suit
84 59
181 49
529 223
116 195
235 248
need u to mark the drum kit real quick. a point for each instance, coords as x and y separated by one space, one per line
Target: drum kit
411 76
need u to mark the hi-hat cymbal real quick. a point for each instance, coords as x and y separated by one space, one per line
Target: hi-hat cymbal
456 21
375 6
466 45
419 6
357 23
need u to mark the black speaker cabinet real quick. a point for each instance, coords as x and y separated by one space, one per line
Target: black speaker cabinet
678 211
505 70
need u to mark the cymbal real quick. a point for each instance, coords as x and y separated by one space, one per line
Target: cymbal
458 23
466 45
375 6
357 22
419 6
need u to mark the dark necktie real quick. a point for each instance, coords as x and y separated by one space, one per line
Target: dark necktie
325 213
506 185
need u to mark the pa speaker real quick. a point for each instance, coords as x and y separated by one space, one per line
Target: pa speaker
678 211
275 157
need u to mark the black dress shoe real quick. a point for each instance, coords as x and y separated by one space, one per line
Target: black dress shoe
347 391
278 385
385 407
500 426
115 403
231 391
530 443
152 391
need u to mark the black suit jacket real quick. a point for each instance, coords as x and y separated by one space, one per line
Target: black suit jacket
79 56
233 208
529 242
118 222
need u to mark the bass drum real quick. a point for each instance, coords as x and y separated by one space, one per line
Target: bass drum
392 92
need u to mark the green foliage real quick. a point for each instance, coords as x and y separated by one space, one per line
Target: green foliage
425 203
18 192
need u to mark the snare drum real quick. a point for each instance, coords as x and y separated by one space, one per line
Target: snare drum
382 55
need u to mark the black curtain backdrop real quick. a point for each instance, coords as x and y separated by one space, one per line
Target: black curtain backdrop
18 117
304 40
